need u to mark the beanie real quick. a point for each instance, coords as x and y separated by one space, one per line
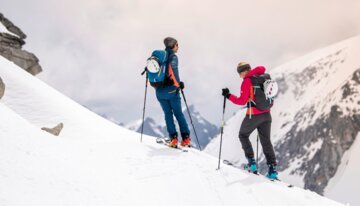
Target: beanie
243 66
170 42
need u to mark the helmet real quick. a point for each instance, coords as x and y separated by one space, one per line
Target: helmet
271 88
153 65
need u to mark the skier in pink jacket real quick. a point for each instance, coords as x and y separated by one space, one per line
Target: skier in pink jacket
254 119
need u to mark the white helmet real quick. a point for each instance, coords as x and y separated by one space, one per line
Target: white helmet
271 88
152 65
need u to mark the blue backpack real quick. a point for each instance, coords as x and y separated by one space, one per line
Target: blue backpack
156 68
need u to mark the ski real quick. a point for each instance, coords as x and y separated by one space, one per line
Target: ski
227 162
165 141
278 180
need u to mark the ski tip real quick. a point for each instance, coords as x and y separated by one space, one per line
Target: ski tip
227 162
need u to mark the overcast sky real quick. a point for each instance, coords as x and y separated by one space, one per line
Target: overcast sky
94 50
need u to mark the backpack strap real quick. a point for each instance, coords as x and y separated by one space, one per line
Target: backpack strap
256 87
251 103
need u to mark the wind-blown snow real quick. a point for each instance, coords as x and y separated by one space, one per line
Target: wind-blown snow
95 162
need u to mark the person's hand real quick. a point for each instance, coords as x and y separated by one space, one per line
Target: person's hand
226 92
181 85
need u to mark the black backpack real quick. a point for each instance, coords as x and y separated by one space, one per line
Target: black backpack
260 101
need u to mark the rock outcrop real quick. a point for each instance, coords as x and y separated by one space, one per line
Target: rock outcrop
11 48
56 130
2 88
315 152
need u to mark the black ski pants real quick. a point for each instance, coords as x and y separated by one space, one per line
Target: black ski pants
261 122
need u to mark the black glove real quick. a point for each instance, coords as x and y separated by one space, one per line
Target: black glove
226 92
181 85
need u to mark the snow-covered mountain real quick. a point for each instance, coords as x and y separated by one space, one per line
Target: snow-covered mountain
152 127
96 162
316 119
156 127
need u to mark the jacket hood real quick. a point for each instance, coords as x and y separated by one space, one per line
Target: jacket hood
256 71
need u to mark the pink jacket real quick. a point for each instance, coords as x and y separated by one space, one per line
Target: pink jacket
247 91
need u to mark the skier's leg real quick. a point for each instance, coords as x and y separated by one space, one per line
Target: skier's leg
264 130
170 125
177 109
247 127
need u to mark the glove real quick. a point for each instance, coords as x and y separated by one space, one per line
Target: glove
226 93
168 82
182 86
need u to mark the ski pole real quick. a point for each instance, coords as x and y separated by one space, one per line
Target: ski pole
182 92
143 116
257 151
222 131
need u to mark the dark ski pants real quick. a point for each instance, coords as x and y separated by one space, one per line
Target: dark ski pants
171 106
261 122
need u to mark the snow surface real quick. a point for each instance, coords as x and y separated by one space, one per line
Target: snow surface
96 162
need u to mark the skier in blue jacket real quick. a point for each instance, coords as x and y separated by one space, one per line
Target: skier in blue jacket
170 99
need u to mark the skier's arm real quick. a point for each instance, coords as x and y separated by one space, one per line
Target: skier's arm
244 93
175 66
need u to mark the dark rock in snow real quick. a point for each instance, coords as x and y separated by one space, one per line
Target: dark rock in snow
2 88
11 48
56 130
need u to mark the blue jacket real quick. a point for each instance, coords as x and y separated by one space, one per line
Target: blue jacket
170 91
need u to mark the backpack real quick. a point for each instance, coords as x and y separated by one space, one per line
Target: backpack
265 89
156 68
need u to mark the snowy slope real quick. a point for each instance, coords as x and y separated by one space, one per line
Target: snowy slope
43 106
95 162
315 117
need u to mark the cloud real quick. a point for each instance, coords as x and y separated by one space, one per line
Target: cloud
94 51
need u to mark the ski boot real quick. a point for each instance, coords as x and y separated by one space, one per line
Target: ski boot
186 140
272 173
174 141
252 165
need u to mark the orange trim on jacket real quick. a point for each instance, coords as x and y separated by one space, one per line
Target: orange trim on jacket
251 98
172 76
